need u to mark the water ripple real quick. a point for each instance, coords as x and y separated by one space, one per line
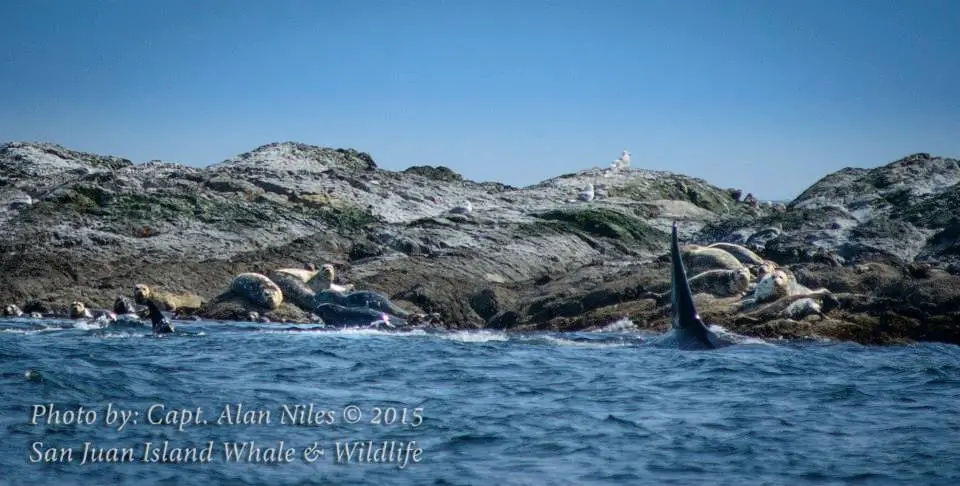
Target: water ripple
582 408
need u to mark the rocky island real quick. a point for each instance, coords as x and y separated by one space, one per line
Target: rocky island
880 245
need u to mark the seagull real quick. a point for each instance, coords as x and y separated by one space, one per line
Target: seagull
587 194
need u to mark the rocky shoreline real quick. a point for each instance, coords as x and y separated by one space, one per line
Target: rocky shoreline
85 227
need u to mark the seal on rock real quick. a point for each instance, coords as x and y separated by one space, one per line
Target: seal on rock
764 269
257 289
782 288
293 287
722 283
168 301
699 259
743 254
772 287
302 274
360 298
323 280
343 316
794 307
801 308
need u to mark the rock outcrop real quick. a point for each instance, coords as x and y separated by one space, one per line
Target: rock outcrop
78 226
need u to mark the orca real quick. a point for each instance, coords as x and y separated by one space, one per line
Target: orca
691 332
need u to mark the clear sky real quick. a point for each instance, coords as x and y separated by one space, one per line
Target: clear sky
767 96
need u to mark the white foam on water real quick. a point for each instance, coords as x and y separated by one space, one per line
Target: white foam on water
620 325
35 330
350 332
88 325
726 335
25 331
124 335
557 341
481 336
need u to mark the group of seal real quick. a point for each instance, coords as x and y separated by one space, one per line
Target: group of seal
731 270
315 291
125 312
728 270
13 310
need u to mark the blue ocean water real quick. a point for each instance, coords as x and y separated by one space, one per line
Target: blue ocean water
468 408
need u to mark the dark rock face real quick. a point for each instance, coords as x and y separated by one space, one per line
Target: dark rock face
442 174
80 226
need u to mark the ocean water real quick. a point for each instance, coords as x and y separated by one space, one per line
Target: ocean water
466 408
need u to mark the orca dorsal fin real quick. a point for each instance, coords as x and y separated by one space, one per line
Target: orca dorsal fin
684 316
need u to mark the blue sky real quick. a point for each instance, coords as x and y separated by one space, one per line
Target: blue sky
767 96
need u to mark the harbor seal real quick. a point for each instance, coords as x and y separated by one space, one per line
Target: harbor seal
699 259
301 274
12 310
168 301
294 287
323 280
802 308
127 312
257 289
764 269
342 316
691 332
722 283
794 307
781 287
79 311
124 305
743 254
360 298
772 287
